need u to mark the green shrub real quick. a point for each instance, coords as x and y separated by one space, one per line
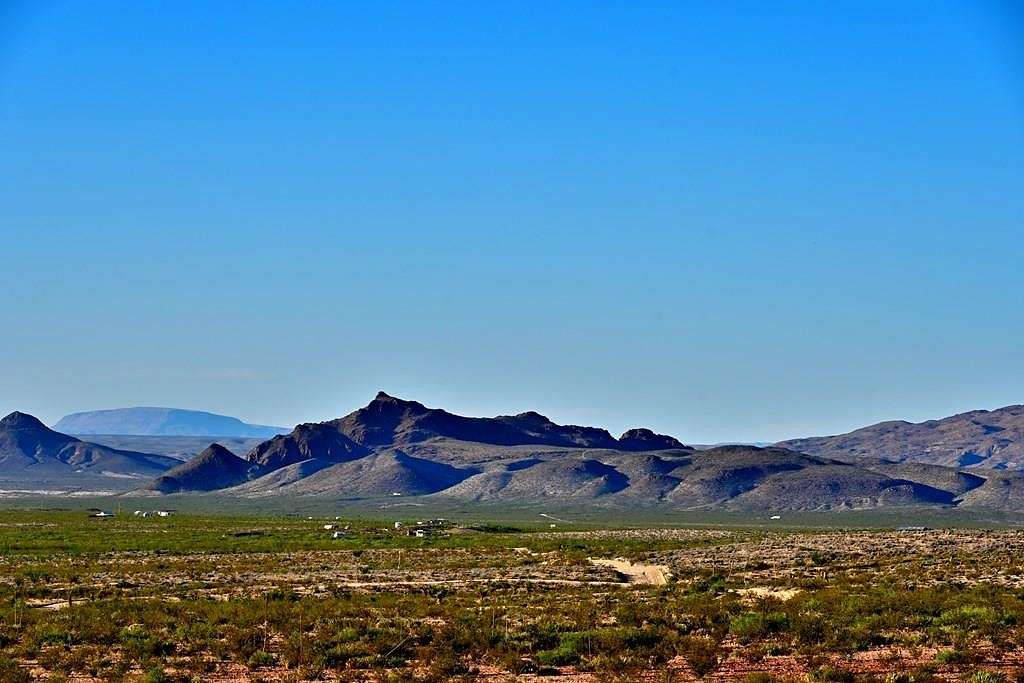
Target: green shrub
55 635
950 657
139 643
10 672
972 617
701 653
260 658
751 626
156 675
983 676
918 675
832 674
566 653
810 628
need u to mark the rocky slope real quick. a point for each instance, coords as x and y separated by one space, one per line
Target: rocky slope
980 438
392 421
35 457
215 468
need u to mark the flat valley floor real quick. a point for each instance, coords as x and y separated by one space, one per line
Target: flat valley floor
221 598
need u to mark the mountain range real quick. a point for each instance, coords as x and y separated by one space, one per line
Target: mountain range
37 458
398 447
980 438
161 422
395 447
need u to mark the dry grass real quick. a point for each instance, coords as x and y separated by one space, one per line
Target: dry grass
144 600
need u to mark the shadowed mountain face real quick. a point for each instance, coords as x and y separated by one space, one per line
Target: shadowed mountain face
161 422
392 421
642 439
981 438
323 441
301 462
214 468
36 457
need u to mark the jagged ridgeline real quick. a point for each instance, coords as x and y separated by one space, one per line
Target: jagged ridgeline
396 447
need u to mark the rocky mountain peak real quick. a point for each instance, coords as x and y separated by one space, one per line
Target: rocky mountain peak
18 420
216 452
641 438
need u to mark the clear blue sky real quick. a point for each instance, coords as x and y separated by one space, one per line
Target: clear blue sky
740 220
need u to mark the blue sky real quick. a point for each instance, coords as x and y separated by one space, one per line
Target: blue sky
743 220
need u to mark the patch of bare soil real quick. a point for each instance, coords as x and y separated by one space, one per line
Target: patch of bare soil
642 574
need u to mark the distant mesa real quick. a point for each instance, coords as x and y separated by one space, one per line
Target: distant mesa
161 422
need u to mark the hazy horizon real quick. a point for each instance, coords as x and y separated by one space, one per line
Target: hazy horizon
723 222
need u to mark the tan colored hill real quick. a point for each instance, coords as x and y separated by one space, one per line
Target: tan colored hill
980 438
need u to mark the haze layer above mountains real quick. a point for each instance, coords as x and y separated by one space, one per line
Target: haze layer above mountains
393 447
